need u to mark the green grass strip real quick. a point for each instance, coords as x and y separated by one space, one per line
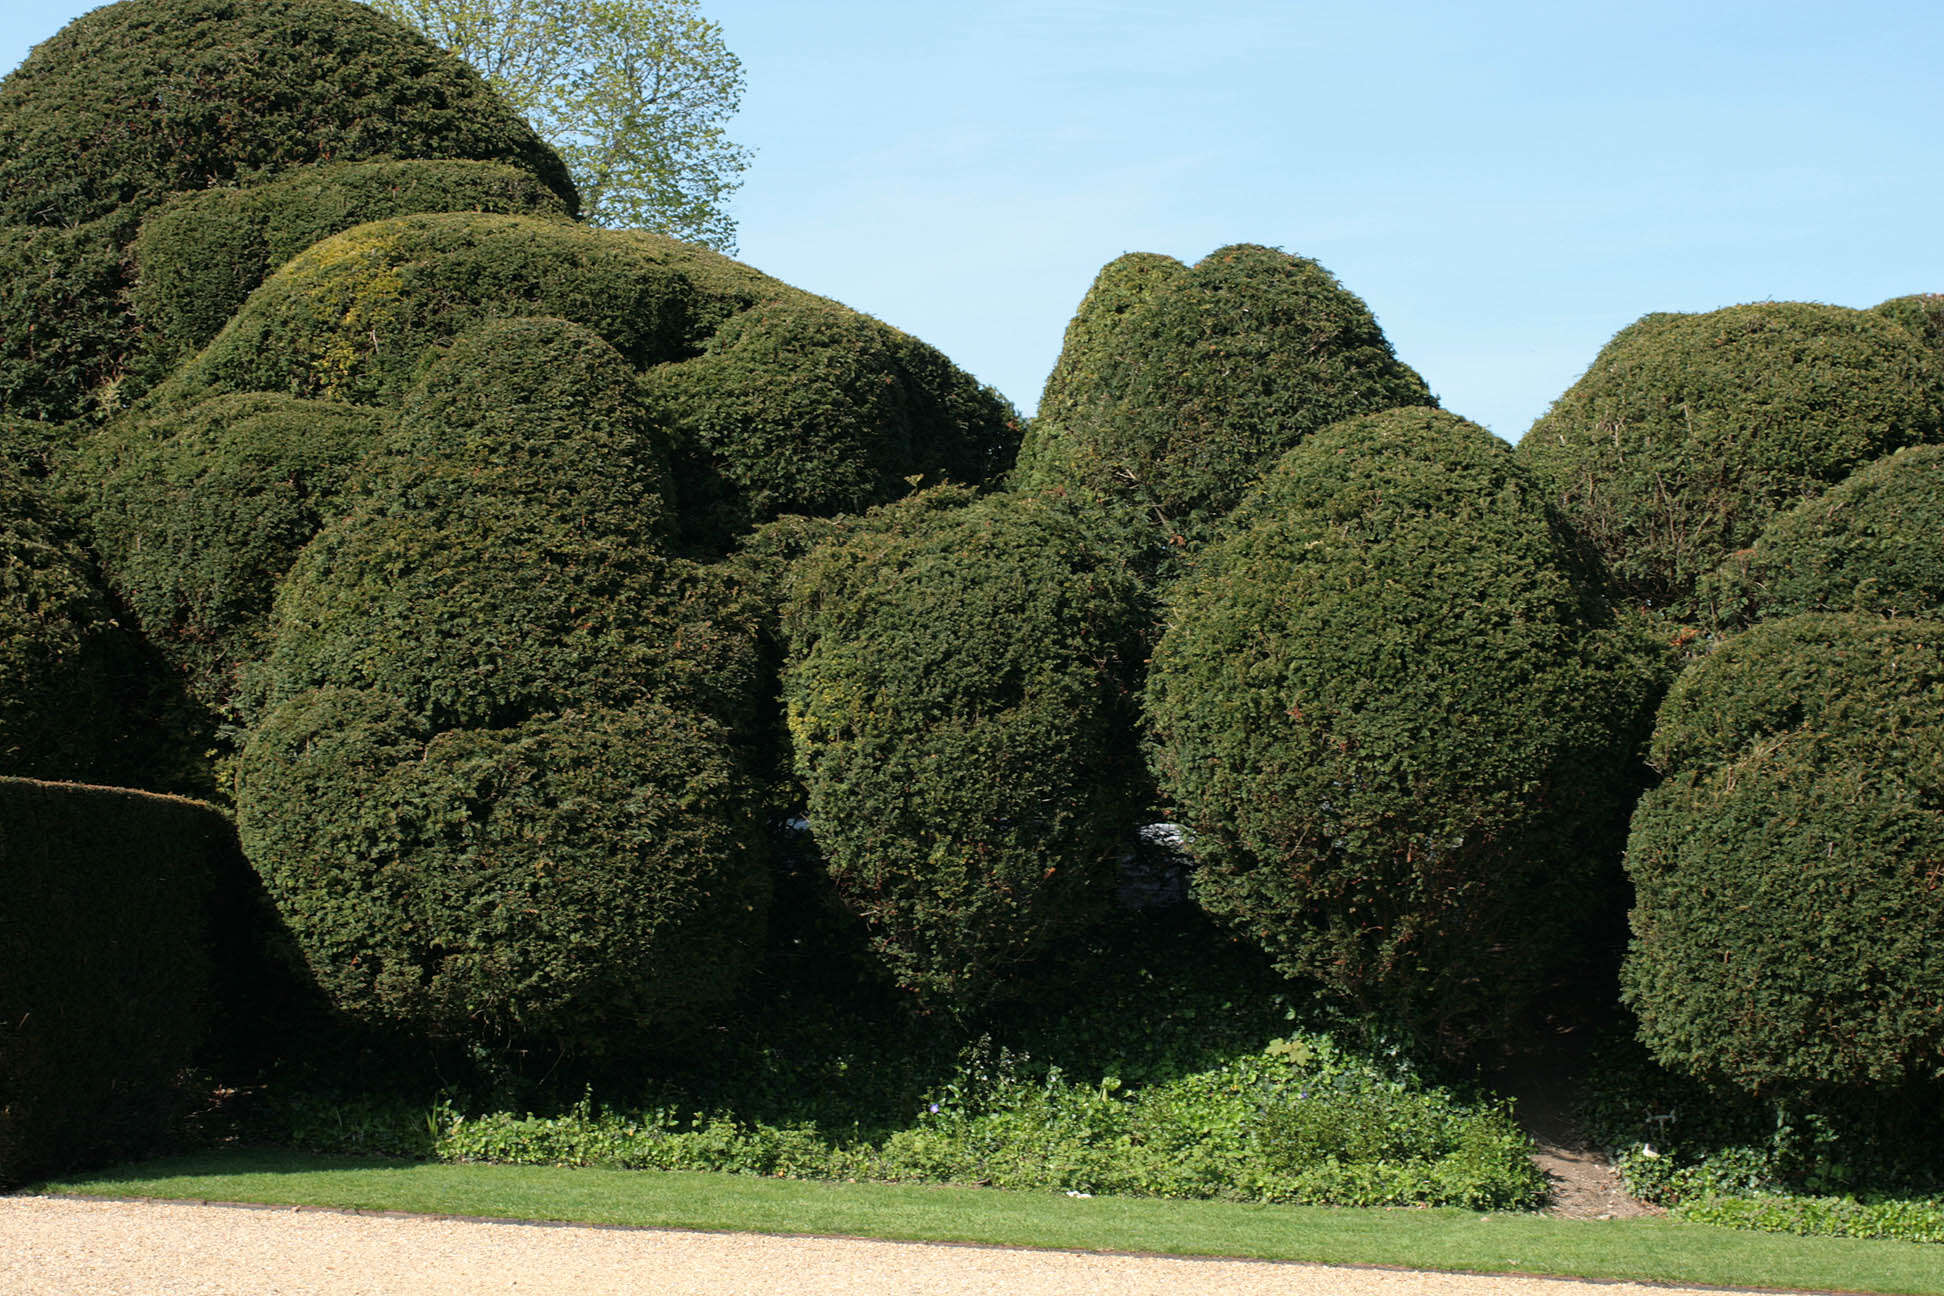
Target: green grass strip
1649 1250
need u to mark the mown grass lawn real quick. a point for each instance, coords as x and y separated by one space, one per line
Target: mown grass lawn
1640 1250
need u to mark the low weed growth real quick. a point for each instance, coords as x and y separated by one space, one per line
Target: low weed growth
1845 1166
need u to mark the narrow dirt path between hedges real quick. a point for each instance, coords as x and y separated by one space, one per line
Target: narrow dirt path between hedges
74 1247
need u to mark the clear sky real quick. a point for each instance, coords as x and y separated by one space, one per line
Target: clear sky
1506 183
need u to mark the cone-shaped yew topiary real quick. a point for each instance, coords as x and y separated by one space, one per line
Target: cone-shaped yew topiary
1180 386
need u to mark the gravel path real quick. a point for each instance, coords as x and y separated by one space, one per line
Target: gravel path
72 1247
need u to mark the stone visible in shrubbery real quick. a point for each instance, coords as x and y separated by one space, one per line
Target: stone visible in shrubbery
1184 385
588 878
197 514
1789 926
1689 432
104 968
1401 723
1873 543
201 254
959 706
139 100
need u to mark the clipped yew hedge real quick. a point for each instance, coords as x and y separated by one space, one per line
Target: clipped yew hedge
776 401
1872 543
1789 925
585 879
959 704
66 664
139 100
505 557
796 407
197 514
1401 723
200 255
1922 314
1184 386
105 970
1689 432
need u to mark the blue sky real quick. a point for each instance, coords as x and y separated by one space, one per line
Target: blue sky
1507 184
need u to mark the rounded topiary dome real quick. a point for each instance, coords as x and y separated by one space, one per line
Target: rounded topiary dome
960 714
1789 924
1184 384
1922 314
144 98
1401 722
1872 543
1689 432
587 879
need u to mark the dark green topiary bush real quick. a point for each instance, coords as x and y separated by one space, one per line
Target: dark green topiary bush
587 878
65 662
1184 385
958 699
496 785
1921 313
1872 543
795 407
1789 925
104 968
139 100
1093 339
1401 723
504 561
1690 432
62 325
200 255
145 98
197 514
776 400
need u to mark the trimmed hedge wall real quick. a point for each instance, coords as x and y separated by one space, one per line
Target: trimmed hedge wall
1184 386
200 255
1873 543
959 701
105 971
1401 723
198 513
1689 432
62 324
1789 923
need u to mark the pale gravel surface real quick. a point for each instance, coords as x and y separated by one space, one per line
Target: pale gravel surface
71 1247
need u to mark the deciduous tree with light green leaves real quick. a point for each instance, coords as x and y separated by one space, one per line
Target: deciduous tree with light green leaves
633 94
